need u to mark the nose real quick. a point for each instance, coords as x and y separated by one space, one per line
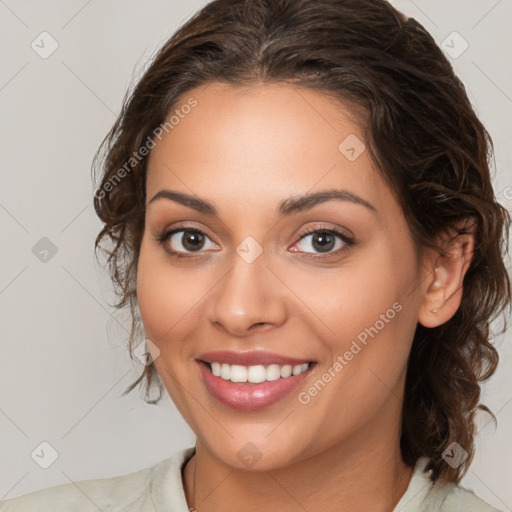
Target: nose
248 299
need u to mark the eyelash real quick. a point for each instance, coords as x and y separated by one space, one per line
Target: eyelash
347 241
163 237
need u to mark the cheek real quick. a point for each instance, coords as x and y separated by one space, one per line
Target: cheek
154 296
164 295
165 304
172 302
366 308
368 312
355 296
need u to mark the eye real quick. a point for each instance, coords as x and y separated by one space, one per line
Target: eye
186 241
322 241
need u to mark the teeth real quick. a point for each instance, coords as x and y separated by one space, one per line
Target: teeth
286 370
225 371
238 373
296 369
216 369
256 374
273 372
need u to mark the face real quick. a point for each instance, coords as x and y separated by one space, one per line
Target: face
273 247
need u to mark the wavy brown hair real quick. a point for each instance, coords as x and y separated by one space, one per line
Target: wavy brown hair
422 133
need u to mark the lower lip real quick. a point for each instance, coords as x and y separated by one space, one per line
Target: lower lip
246 396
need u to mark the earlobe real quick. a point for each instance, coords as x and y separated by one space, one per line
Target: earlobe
444 282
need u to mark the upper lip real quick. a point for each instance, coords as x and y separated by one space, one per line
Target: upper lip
257 357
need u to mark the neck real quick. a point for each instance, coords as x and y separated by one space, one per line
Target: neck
362 473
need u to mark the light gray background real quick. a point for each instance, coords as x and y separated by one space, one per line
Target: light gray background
63 362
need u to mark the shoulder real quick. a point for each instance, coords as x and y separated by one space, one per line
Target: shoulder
458 499
424 496
86 495
131 493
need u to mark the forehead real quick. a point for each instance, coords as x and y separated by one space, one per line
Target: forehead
264 140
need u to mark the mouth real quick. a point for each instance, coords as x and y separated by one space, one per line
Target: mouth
252 380
255 374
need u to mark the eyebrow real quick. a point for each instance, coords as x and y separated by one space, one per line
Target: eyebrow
287 207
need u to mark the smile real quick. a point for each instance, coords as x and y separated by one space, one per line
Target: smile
256 374
250 381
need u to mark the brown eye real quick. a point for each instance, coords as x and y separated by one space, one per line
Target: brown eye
322 241
188 240
192 240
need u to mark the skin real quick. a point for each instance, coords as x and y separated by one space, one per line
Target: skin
245 150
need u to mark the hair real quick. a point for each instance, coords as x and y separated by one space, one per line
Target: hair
423 136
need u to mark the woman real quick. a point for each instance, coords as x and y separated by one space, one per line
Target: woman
305 231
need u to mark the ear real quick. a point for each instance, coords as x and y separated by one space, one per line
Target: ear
444 274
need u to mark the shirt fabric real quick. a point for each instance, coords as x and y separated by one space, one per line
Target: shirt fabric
160 489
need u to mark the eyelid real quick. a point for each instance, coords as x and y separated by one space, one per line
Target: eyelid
186 226
311 227
347 240
165 235
169 235
343 232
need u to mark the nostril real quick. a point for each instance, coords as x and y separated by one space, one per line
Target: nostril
258 325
